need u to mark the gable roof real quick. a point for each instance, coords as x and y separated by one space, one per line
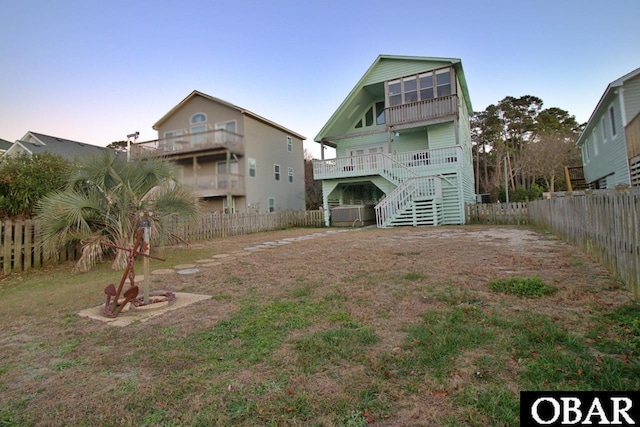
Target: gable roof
5 145
38 143
605 99
227 104
375 75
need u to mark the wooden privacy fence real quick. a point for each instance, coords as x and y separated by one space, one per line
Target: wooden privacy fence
497 213
21 247
605 224
214 225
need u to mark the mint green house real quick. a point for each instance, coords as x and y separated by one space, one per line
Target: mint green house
403 144
610 142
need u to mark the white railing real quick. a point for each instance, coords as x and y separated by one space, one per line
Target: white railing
421 162
214 139
209 185
410 190
422 110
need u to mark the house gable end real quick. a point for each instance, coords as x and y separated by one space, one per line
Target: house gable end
369 88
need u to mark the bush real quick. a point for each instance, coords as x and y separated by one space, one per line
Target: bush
26 179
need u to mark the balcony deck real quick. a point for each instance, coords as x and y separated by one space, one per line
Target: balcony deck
428 111
412 163
214 141
214 185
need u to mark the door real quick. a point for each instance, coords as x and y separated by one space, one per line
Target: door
366 158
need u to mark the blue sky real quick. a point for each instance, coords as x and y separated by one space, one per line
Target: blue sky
97 70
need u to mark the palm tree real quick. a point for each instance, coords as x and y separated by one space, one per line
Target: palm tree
103 202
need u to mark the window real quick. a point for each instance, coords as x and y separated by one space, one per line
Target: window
272 204
290 173
289 144
595 142
585 151
380 113
612 117
420 87
252 168
198 118
603 131
229 126
377 111
276 172
199 129
225 131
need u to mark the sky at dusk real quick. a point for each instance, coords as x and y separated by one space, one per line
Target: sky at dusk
97 70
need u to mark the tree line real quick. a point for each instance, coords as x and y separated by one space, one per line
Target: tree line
520 147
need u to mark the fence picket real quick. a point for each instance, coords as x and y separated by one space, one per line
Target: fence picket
605 224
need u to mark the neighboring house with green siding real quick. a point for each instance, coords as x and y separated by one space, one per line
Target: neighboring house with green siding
4 146
403 143
610 142
236 160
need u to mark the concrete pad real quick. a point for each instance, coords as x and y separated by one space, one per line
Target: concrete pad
140 314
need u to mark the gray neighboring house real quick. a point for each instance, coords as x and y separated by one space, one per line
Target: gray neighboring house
610 142
37 143
4 146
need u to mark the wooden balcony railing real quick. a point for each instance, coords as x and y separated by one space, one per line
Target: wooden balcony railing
422 111
218 139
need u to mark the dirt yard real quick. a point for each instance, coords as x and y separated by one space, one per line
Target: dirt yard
382 278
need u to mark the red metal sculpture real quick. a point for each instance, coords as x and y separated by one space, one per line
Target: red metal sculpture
113 306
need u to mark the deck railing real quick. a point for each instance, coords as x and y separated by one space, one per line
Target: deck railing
422 162
210 185
411 189
210 140
422 111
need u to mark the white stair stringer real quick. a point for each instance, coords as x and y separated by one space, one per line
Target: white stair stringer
416 201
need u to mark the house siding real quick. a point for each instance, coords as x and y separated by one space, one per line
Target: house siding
389 69
268 146
607 157
631 94
441 135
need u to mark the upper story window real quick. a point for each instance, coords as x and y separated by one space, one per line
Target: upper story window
586 155
229 126
612 117
276 172
603 130
289 144
198 118
419 87
375 111
252 167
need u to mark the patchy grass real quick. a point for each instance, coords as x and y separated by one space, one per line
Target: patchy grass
529 287
354 329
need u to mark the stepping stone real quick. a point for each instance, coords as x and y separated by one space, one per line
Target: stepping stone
183 266
270 243
253 248
188 271
163 271
220 256
283 242
203 261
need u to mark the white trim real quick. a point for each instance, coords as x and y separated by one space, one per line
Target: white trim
191 122
623 111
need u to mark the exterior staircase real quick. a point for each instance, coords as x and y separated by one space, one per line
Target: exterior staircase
417 200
